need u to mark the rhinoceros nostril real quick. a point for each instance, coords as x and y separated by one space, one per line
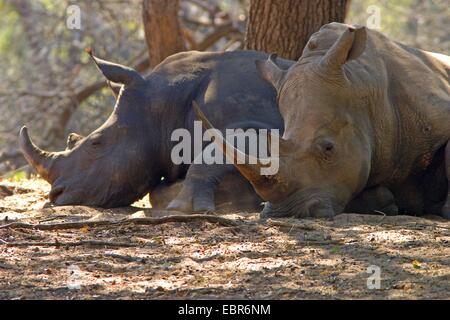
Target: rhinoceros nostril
55 193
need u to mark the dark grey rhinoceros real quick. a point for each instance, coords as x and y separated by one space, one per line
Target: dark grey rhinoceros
360 111
128 155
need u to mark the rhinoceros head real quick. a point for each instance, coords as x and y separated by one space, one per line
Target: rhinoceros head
325 149
326 159
111 166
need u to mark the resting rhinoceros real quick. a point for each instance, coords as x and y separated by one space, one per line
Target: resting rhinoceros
360 111
128 155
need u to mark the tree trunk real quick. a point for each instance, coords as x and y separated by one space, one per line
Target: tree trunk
284 26
162 29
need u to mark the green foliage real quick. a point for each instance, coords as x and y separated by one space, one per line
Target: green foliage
49 5
9 18
10 32
18 175
419 23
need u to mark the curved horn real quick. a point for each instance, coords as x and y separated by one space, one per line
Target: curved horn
350 45
251 169
270 71
39 159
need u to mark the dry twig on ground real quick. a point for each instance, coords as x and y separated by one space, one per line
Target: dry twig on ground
133 221
95 243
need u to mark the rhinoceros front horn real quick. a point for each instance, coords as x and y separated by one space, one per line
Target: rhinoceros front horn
251 169
39 159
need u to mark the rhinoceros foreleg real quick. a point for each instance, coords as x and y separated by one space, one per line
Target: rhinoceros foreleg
373 199
197 192
446 208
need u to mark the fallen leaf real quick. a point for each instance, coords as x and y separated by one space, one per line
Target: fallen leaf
416 264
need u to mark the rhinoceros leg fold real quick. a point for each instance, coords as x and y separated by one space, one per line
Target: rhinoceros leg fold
446 208
183 200
194 197
203 199
197 193
374 199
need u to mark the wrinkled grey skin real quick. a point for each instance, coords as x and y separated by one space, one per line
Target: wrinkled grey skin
232 194
360 111
128 155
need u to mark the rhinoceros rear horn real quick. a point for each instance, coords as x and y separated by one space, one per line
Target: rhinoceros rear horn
350 45
270 71
117 73
39 159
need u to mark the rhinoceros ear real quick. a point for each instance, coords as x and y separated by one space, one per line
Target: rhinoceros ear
72 139
350 45
117 73
115 87
270 71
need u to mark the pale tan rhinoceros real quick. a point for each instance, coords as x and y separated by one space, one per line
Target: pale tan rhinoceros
360 111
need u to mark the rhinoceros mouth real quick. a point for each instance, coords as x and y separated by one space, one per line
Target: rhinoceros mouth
302 204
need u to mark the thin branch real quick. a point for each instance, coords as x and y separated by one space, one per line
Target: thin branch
205 259
95 243
7 266
81 94
4 156
284 224
212 9
197 22
215 36
133 221
35 93
125 258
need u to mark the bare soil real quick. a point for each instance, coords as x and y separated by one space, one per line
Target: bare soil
236 257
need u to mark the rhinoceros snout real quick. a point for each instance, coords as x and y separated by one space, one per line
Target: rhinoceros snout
301 204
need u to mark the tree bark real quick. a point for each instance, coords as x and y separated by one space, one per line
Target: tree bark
284 26
162 29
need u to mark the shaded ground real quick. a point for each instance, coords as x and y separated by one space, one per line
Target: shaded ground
280 259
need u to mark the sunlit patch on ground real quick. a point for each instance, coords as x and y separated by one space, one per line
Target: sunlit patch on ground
279 259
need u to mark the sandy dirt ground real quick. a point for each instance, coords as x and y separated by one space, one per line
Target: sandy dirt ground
76 252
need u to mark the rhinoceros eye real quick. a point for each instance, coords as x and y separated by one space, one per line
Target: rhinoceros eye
326 147
96 141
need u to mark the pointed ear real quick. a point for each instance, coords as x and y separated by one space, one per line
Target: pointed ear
117 73
270 71
350 45
72 139
115 87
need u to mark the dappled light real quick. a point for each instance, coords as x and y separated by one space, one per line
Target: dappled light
224 149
